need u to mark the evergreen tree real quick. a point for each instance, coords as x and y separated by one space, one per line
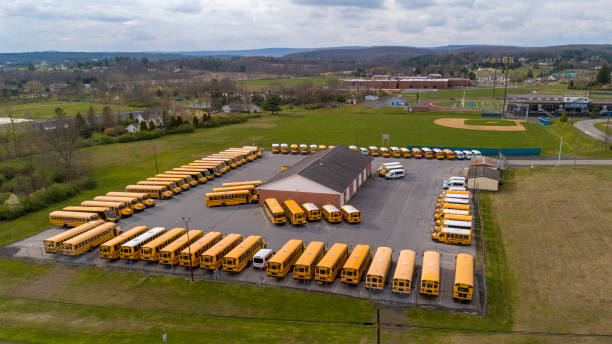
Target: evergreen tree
82 127
272 103
143 126
603 76
151 125
195 122
91 119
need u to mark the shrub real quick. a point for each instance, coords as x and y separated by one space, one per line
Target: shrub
106 140
114 131
88 183
563 117
183 128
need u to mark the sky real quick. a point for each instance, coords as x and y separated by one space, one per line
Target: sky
191 25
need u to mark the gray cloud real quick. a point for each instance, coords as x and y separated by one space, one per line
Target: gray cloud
347 3
416 3
185 6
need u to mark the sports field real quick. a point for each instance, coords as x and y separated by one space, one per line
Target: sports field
471 104
490 122
47 109
546 275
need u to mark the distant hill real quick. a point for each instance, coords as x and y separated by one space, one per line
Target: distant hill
364 53
57 57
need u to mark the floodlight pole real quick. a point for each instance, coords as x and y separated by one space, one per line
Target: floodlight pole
155 157
187 220
505 87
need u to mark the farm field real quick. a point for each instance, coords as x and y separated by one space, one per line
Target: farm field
130 302
130 162
46 110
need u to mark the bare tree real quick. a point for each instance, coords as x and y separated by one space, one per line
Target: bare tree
63 139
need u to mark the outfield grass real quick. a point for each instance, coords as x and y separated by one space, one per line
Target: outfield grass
287 82
490 121
46 110
447 103
117 165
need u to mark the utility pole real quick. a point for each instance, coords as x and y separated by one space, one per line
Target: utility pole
155 156
591 83
494 81
378 326
187 220
505 86
560 147
607 130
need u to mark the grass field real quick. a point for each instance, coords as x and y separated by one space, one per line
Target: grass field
315 80
490 121
472 104
47 109
545 274
117 165
602 127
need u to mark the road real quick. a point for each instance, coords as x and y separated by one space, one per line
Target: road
589 129
565 161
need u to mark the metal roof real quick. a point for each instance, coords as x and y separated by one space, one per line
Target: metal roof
333 168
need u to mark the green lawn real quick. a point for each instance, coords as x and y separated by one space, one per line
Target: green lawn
491 121
47 109
315 80
448 103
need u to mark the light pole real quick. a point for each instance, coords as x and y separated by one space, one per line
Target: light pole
187 220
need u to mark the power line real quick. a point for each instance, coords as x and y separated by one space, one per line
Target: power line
334 323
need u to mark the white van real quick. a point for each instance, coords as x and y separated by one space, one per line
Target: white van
476 153
460 155
468 154
260 259
395 173
454 182
352 148
364 151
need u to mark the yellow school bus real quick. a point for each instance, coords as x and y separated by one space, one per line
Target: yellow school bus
235 160
443 211
305 265
274 211
417 153
350 214
438 154
214 168
120 208
183 179
373 150
142 197
356 264
328 267
313 213
331 213
253 192
213 257
224 198
452 235
379 269
179 181
402 278
131 249
71 218
229 162
464 278
202 174
54 244
275 148
90 239
294 212
427 153
239 257
406 153
194 178
170 254
132 202
255 183
455 217
150 251
280 264
446 205
396 152
249 154
313 149
154 191
284 148
105 213
430 274
170 185
193 253
303 149
294 149
322 147
220 165
112 248
449 154
385 152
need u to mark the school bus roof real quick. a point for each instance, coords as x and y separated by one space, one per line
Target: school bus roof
330 208
182 240
145 236
169 234
405 265
285 251
349 208
223 243
273 205
86 209
244 245
66 213
310 253
90 233
357 257
236 192
127 194
431 266
293 206
116 198
79 229
146 187
310 206
455 230
103 204
464 270
122 237
203 241
381 261
332 255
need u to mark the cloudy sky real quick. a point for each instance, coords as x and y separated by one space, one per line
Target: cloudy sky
183 25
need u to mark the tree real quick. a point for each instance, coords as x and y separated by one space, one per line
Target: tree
91 119
151 125
603 76
107 118
195 121
472 76
595 112
272 103
530 74
563 116
63 140
59 112
360 72
84 130
143 126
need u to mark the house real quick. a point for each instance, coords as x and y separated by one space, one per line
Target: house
332 176
483 179
484 162
351 101
131 128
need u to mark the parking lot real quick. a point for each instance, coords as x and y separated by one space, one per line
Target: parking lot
396 213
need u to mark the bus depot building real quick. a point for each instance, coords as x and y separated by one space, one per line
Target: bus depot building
331 176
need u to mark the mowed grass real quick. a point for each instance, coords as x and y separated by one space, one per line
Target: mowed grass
115 166
490 121
288 82
46 110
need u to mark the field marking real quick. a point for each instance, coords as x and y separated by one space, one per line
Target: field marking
459 123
